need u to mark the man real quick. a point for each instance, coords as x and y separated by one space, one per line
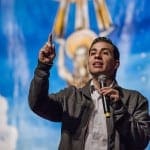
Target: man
84 125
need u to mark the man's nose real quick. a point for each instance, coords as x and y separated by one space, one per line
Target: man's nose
98 56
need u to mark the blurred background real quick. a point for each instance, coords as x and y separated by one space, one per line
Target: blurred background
24 29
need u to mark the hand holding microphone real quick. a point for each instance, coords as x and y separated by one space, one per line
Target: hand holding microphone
108 93
102 80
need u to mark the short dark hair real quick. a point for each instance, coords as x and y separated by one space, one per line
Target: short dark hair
107 40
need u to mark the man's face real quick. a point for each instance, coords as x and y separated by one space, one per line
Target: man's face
101 59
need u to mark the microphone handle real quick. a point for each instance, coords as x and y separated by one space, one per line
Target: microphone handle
105 102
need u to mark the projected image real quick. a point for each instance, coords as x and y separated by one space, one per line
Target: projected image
25 27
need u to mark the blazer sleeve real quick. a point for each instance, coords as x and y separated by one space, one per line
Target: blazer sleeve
48 106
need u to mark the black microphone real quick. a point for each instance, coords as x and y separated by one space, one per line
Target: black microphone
105 100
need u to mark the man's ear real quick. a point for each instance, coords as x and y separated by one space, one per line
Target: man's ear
117 64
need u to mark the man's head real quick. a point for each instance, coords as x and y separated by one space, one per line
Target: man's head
103 57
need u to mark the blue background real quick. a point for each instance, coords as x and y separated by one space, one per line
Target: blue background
24 28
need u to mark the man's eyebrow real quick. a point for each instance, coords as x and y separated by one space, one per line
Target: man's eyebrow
106 48
93 49
102 49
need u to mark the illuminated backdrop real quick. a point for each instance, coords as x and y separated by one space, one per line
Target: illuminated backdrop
25 26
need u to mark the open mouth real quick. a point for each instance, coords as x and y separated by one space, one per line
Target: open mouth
97 64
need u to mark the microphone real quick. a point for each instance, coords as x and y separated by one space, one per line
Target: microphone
105 100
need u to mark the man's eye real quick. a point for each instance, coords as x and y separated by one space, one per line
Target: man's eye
106 52
92 53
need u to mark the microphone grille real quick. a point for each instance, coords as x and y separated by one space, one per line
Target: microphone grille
102 77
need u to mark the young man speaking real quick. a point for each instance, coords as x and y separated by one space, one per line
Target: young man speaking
101 115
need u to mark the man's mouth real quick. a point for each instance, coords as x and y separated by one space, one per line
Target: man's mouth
97 64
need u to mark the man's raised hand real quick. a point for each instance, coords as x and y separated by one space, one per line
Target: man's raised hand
47 52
